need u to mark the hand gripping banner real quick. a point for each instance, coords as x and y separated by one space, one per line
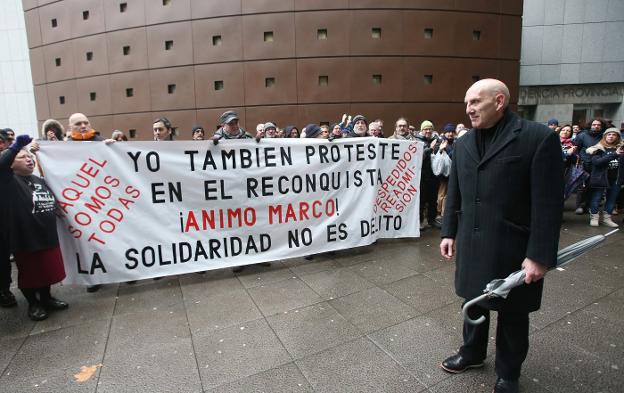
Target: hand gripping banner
135 210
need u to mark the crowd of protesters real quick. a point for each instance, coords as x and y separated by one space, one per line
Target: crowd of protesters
594 161
594 169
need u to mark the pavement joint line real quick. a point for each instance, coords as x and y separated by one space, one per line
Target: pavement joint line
24 338
110 326
192 337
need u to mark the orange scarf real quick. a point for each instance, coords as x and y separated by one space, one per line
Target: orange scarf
83 136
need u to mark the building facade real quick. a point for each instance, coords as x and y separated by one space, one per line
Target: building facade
126 62
17 103
572 62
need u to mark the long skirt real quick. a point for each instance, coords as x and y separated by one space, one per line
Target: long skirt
40 268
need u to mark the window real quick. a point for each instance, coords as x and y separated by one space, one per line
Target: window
92 96
89 56
218 85
85 15
62 100
126 50
268 36
129 92
323 80
476 35
428 33
168 45
428 79
376 32
132 133
321 34
216 40
171 88
57 61
123 7
54 22
377 79
269 82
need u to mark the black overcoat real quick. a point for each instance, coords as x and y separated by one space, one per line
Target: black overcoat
504 207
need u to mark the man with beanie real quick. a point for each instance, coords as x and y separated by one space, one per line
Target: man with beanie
553 124
359 127
270 130
7 299
428 181
583 141
503 213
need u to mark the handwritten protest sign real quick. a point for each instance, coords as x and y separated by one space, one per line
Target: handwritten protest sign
148 209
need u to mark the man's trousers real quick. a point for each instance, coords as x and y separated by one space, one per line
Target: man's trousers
512 340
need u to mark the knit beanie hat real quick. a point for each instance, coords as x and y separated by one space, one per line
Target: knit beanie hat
426 124
359 117
449 127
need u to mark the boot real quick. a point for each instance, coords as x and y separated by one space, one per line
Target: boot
593 219
606 220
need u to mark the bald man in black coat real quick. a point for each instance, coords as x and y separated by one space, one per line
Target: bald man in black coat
503 213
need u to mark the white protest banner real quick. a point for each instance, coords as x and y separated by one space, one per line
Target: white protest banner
136 210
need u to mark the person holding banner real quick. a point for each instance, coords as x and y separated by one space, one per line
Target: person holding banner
32 223
503 213
7 299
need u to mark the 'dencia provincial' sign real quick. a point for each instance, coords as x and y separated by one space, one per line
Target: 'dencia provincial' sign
148 209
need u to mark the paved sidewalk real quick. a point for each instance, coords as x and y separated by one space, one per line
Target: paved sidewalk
374 319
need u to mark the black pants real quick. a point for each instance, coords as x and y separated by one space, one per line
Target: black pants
512 340
429 199
5 266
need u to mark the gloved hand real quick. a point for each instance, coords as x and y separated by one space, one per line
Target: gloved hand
20 142
215 139
258 138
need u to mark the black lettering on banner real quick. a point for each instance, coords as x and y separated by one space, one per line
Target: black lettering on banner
96 264
334 235
174 190
191 154
296 238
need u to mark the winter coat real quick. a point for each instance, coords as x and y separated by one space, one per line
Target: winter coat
504 207
584 140
600 159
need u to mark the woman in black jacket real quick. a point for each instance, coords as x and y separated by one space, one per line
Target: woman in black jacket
607 160
32 225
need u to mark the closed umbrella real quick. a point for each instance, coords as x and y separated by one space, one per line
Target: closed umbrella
502 286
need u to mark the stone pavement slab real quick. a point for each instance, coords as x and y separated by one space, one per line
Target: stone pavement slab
378 318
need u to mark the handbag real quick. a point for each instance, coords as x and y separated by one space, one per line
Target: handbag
574 177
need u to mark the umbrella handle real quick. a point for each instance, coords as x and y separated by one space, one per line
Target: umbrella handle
470 304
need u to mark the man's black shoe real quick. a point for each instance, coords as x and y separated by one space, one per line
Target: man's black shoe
505 386
7 299
36 312
238 269
55 304
93 288
458 364
265 264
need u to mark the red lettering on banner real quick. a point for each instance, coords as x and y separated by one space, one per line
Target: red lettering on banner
396 192
92 201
